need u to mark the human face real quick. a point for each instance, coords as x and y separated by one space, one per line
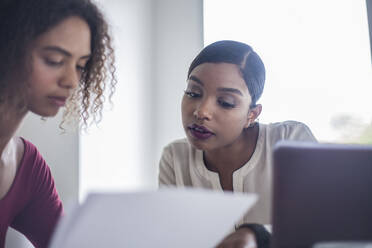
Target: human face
215 107
58 58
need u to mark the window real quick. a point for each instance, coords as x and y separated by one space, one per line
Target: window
317 59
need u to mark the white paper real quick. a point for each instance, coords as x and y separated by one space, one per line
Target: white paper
172 217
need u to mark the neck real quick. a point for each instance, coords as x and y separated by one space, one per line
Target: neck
228 159
10 120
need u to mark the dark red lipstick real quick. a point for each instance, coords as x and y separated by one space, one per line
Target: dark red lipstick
200 132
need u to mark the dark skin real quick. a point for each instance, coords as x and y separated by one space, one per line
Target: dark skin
217 100
244 237
236 159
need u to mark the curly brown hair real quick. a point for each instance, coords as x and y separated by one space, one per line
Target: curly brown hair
22 21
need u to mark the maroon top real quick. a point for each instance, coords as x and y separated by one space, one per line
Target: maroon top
32 205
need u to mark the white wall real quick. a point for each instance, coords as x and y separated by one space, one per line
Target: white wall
114 155
178 39
155 41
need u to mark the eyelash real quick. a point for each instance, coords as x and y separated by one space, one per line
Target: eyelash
226 104
52 63
80 68
192 94
55 63
222 103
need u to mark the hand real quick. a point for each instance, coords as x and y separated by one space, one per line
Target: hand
241 238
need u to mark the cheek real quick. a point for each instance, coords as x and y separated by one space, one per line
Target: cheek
186 107
233 120
40 76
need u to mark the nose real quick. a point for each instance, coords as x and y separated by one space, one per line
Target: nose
203 111
70 78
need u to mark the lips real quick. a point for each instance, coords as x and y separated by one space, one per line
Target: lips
200 132
58 100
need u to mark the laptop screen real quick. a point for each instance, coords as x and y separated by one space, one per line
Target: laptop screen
321 192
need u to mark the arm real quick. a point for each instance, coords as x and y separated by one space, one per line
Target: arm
300 132
247 236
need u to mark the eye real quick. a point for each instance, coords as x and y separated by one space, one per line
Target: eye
192 94
225 104
80 68
53 62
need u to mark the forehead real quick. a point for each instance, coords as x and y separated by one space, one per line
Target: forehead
72 34
220 75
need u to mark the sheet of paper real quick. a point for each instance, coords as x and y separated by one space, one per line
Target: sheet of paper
171 217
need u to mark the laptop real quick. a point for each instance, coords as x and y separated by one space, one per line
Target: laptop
169 217
321 193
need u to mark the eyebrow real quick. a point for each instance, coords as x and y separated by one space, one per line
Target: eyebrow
63 51
193 78
231 90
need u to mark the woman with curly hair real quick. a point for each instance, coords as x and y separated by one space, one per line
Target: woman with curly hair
54 53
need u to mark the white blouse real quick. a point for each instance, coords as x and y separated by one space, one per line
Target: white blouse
182 165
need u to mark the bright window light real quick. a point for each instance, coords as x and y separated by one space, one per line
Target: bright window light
317 59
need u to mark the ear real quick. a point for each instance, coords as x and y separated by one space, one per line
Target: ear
253 115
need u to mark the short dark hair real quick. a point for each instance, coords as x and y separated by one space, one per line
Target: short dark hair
240 54
22 21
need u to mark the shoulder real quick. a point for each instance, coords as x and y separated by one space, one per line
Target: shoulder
290 130
32 160
27 146
286 126
37 174
30 150
178 153
178 146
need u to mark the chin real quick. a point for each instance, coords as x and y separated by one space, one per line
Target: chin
45 112
197 144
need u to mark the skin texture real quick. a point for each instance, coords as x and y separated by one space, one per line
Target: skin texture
10 159
57 59
217 100
211 104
